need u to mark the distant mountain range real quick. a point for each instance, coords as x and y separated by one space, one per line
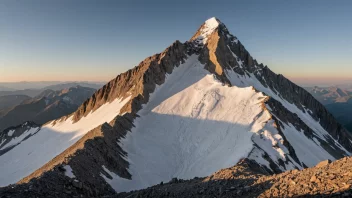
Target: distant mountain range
330 95
11 100
48 105
12 86
338 101
3 88
34 92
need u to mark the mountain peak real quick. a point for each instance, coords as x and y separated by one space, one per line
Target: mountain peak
207 28
212 22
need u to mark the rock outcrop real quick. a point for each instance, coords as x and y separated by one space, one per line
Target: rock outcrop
246 180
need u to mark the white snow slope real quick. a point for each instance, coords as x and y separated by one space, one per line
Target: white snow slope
192 126
50 141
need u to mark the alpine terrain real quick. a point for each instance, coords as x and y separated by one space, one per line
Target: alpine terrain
338 101
330 95
44 107
9 101
195 108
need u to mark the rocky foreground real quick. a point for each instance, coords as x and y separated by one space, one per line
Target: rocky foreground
247 180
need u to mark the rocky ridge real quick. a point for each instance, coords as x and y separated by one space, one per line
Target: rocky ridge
246 179
326 179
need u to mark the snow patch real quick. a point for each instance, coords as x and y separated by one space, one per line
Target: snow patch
306 150
69 172
67 99
209 26
19 139
257 155
10 133
270 141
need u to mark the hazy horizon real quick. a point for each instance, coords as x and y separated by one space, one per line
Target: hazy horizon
308 42
301 82
24 85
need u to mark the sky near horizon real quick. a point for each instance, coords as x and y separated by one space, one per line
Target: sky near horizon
307 41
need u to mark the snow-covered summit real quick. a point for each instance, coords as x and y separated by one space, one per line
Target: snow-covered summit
212 22
207 28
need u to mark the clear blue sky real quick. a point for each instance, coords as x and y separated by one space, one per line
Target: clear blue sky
96 40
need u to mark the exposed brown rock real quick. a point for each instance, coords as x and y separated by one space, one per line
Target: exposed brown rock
244 180
313 178
323 163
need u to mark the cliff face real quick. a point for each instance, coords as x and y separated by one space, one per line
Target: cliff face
292 129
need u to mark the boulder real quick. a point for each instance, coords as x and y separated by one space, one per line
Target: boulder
323 163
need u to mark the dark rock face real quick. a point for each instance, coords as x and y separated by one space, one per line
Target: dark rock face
342 112
302 99
14 132
51 184
280 112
